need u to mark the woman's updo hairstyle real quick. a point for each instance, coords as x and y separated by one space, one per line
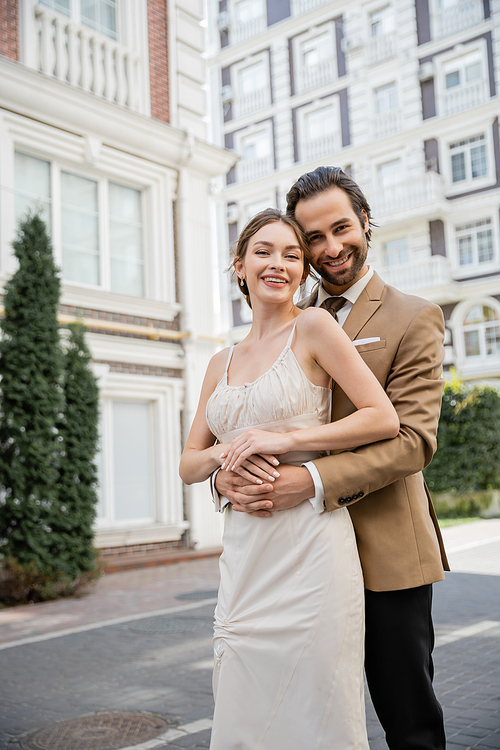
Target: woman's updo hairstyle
262 219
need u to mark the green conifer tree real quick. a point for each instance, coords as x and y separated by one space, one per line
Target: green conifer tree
78 471
31 404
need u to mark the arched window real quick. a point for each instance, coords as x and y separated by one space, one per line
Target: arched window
481 331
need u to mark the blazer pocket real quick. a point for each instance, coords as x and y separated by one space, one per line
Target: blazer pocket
372 346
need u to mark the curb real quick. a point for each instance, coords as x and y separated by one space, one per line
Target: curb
134 561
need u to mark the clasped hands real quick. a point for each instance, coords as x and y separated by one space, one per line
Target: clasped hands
250 479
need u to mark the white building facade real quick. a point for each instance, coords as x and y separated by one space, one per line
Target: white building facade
403 95
102 127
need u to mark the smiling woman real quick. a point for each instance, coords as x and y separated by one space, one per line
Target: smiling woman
288 623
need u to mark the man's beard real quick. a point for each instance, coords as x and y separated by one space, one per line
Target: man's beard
346 275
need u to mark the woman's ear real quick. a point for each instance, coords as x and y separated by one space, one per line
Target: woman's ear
238 268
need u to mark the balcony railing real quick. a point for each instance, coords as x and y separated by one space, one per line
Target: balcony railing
240 32
380 48
304 6
313 76
253 169
423 190
85 59
386 123
316 148
459 98
459 17
424 274
251 102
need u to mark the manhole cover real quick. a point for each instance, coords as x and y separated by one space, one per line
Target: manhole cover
196 595
105 731
170 625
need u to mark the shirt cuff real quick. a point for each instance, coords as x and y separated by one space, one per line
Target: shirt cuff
220 502
317 501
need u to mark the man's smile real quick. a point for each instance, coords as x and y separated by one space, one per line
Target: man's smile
338 262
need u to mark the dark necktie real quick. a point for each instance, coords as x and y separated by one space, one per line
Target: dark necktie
333 305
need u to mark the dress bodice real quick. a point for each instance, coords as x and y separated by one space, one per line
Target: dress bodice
282 399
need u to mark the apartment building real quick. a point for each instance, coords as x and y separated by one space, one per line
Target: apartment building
403 95
102 127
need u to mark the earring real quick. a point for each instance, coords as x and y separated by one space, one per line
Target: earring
241 281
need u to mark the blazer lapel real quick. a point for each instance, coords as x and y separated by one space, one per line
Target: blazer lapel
365 306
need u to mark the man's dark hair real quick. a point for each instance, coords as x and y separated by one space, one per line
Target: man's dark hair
322 179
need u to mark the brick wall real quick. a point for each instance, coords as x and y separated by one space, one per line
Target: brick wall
158 59
9 29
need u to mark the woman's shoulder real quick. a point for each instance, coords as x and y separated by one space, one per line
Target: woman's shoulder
217 365
314 319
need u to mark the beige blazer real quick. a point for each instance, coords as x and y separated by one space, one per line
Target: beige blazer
398 537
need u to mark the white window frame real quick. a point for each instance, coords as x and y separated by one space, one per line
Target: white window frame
308 36
56 210
239 138
475 267
316 106
164 396
93 160
75 14
470 184
261 102
460 52
481 364
241 32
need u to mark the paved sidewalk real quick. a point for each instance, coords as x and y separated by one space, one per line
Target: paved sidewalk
113 650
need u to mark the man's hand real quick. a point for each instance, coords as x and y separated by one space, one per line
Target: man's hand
293 486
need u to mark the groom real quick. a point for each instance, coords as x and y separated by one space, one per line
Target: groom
400 337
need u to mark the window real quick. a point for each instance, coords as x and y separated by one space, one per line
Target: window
386 98
319 129
99 15
256 152
126 471
247 10
314 51
468 159
481 331
474 242
314 58
389 173
463 70
97 224
396 252
381 21
32 186
252 78
255 146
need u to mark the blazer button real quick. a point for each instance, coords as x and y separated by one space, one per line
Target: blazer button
342 500
360 494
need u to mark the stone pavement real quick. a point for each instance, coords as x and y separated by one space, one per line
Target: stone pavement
132 646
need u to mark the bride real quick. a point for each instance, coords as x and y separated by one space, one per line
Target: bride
288 634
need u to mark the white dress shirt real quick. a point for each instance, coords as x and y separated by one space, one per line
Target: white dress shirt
351 295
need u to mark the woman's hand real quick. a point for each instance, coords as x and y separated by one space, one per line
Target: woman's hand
256 469
256 443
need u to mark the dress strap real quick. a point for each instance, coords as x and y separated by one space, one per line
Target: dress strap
290 338
229 359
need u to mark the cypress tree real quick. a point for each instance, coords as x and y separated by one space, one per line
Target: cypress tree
31 404
78 471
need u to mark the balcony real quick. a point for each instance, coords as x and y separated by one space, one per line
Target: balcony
248 170
386 124
240 32
414 277
380 48
314 76
304 6
86 59
460 17
317 148
460 98
423 191
251 102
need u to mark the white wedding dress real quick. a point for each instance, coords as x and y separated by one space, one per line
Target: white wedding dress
289 622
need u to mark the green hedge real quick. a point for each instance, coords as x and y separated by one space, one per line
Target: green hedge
468 453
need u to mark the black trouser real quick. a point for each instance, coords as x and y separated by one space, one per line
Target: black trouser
399 668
